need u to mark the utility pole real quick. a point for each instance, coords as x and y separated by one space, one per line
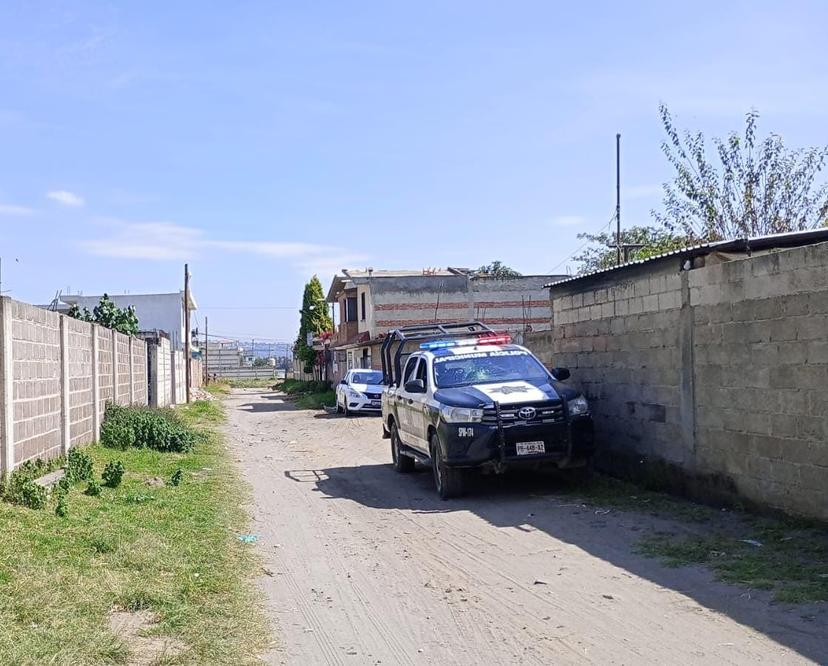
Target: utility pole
618 198
206 341
187 353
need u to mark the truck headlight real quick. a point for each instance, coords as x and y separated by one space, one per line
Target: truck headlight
461 415
356 395
578 406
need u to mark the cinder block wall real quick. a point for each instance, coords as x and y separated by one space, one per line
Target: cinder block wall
52 368
713 381
36 381
81 369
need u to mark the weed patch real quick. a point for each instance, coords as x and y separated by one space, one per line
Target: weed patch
778 555
144 427
137 551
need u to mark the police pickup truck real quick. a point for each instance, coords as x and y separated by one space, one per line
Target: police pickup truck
462 397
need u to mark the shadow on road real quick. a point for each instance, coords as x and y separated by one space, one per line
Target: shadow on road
522 501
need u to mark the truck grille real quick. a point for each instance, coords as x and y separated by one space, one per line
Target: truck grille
373 396
545 412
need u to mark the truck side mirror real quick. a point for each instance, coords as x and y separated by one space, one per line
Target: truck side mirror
415 386
561 374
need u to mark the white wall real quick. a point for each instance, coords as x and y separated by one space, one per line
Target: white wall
155 311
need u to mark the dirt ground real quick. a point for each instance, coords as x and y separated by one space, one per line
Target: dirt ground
365 566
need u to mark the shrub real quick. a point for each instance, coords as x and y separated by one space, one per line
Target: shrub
93 489
113 473
26 492
78 466
62 508
143 427
176 477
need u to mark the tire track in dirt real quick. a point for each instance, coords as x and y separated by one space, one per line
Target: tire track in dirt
383 572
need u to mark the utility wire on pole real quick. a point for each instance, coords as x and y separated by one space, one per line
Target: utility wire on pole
618 198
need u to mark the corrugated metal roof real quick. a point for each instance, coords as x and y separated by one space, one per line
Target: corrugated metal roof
787 239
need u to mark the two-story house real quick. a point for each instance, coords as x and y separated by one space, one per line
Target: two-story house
370 303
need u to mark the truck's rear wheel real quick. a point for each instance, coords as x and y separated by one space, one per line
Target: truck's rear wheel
450 481
402 463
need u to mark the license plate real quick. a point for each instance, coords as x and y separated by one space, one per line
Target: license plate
528 448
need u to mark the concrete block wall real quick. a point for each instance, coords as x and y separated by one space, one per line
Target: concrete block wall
160 373
106 372
178 377
714 377
55 378
123 369
81 370
36 380
760 330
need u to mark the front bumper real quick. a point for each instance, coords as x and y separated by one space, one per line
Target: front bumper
363 404
476 444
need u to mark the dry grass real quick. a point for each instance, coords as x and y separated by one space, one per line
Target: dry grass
169 550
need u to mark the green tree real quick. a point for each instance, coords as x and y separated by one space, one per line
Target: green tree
260 362
497 269
314 319
602 252
752 187
107 314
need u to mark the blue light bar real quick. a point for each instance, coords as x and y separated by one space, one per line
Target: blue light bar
438 344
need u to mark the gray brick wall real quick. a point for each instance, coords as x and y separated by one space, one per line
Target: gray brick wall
122 369
48 381
105 366
81 401
719 373
35 351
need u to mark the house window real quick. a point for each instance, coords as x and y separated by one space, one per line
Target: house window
366 358
362 305
351 309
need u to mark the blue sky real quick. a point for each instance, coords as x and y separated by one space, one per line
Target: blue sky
267 141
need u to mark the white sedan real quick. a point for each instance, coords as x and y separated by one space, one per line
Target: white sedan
359 391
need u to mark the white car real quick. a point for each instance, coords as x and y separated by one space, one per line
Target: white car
360 391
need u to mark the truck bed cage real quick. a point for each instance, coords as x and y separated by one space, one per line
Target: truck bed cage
391 365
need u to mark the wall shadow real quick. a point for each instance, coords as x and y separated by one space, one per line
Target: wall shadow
522 501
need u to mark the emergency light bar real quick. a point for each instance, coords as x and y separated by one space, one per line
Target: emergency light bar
484 339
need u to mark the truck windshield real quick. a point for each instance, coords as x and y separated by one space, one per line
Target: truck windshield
488 368
367 377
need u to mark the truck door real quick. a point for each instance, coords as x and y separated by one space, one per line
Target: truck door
404 401
417 405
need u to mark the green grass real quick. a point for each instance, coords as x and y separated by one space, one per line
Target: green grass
316 400
792 560
173 550
609 492
223 386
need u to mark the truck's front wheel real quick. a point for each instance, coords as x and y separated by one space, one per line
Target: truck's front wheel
402 463
450 481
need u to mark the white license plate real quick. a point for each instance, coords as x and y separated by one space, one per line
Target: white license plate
528 448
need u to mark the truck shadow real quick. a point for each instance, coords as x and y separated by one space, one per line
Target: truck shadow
543 502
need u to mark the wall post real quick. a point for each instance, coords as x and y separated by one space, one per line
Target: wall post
65 425
6 388
96 385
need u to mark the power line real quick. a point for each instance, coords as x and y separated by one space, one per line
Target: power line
558 265
248 307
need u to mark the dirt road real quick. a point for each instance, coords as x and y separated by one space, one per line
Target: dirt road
365 566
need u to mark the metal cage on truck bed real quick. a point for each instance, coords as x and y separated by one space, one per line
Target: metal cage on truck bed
392 356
